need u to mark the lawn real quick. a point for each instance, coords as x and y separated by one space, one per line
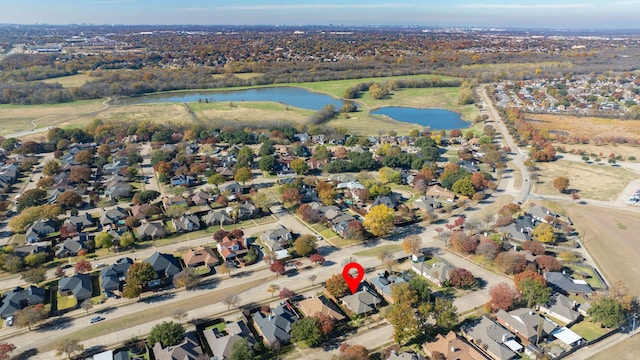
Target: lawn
588 330
221 326
379 249
493 208
592 279
591 181
66 302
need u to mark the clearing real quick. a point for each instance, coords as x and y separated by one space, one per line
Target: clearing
603 151
586 127
628 349
609 236
71 80
591 181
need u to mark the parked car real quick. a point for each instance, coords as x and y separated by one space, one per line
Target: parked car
96 319
99 265
9 321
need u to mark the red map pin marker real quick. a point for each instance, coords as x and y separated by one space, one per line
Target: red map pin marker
353 282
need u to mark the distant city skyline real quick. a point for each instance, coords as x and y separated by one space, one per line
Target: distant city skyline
549 14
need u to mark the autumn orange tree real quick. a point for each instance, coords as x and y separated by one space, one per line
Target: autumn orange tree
412 244
379 220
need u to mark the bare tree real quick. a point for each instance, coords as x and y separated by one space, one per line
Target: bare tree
231 300
86 305
312 278
179 314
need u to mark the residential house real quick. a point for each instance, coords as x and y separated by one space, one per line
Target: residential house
113 276
362 302
78 285
119 190
165 265
470 166
113 217
217 217
151 230
114 166
383 284
541 213
186 223
452 347
112 355
520 229
232 248
567 337
391 202
140 211
562 308
405 356
563 283
81 221
245 211
526 324
277 239
438 273
35 248
173 200
52 195
72 246
182 180
20 297
426 204
340 224
275 327
440 193
188 349
39 230
232 188
342 178
200 256
200 198
321 305
493 338
221 343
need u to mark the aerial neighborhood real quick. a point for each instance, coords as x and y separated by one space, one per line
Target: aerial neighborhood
138 234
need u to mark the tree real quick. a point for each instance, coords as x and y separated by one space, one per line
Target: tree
86 305
462 278
404 293
300 166
83 266
529 275
11 263
291 196
355 230
167 333
267 163
503 297
34 276
544 233
535 247
59 271
313 278
147 196
445 314
224 268
80 173
286 294
126 240
277 267
69 199
379 221
305 245
607 311
317 259
175 211
387 259
272 289
464 186
561 183
534 292
138 275
351 352
31 315
243 175
548 263
328 196
405 324
69 347
179 314
510 263
31 198
5 350
216 179
104 240
241 350
231 301
337 286
51 168
83 157
412 244
307 330
36 259
186 278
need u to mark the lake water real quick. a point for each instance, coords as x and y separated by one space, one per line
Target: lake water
435 118
292 96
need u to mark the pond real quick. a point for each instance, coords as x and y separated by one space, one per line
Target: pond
292 96
434 118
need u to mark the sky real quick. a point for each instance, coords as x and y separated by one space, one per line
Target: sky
550 14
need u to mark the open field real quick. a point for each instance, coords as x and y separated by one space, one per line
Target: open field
629 349
21 118
587 127
379 249
592 181
493 208
624 150
71 80
610 237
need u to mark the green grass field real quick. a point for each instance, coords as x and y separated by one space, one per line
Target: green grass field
379 249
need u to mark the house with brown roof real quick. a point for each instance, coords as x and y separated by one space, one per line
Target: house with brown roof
173 200
452 347
200 256
322 305
231 248
440 193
